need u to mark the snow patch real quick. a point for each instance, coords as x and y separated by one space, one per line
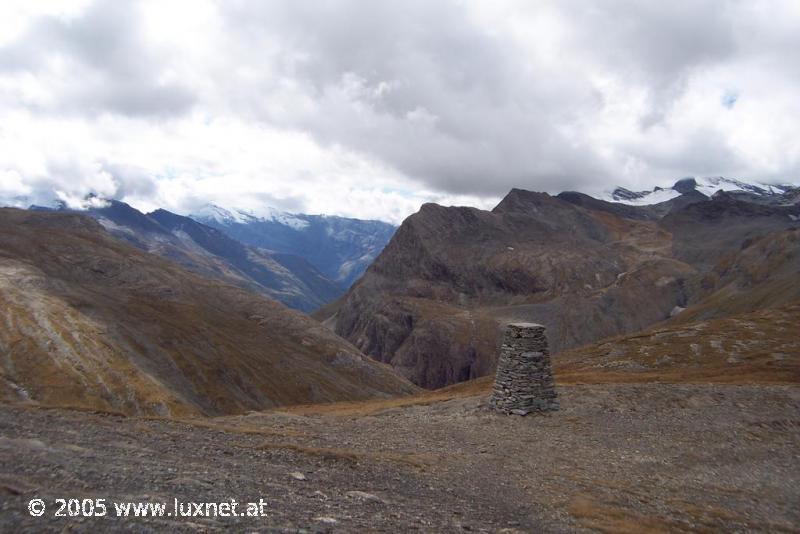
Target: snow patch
711 184
286 219
111 226
655 197
706 185
221 215
241 216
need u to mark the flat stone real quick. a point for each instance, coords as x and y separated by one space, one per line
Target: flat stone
364 496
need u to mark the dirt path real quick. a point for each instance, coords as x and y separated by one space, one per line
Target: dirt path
615 458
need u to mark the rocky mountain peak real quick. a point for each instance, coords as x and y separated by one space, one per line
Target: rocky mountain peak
685 185
521 200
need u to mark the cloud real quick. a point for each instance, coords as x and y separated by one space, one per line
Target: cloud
371 108
448 103
96 62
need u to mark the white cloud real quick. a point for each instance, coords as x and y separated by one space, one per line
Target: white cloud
370 108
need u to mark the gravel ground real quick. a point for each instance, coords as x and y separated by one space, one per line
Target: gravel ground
615 458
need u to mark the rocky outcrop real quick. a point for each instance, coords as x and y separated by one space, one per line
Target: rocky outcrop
685 185
433 303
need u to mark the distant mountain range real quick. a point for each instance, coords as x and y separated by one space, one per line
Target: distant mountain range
92 315
302 261
340 248
308 261
707 186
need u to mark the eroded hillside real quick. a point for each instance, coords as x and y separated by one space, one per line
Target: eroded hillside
88 321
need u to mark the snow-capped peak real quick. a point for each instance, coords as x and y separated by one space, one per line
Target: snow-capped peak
706 185
711 184
286 219
240 216
639 198
221 215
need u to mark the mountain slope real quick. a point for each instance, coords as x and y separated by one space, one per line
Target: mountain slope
210 252
763 275
88 321
339 247
287 278
434 301
756 347
704 233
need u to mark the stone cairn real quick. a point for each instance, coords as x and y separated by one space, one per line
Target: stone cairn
524 381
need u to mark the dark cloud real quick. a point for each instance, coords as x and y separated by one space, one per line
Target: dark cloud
464 98
702 152
656 44
109 65
423 87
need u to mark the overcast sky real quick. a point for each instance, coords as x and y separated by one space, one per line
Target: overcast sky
368 108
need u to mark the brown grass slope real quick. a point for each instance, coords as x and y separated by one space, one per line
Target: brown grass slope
88 321
761 347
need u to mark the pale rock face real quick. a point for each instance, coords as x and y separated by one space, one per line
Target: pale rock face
676 310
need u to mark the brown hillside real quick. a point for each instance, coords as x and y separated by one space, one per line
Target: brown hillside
88 321
764 274
760 347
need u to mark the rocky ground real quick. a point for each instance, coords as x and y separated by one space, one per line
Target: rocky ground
615 458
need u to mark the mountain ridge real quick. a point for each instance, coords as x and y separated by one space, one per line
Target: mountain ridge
211 252
339 247
434 301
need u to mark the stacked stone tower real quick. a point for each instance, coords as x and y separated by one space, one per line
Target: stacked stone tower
524 381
